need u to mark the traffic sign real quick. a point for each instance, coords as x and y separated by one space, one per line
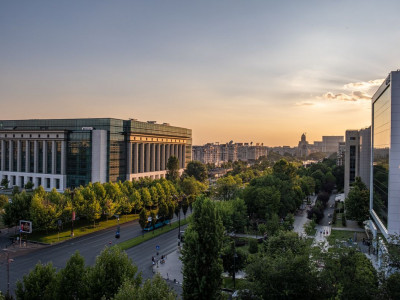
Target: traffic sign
157 247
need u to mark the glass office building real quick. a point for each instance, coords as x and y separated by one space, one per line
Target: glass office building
61 153
385 157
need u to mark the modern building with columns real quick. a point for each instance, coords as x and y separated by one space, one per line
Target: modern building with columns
66 153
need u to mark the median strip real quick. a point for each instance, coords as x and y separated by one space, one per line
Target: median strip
148 236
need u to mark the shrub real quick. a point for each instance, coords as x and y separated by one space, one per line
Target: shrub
253 246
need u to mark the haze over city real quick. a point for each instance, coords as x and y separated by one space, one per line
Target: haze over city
262 71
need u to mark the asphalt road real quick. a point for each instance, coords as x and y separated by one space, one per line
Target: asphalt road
89 247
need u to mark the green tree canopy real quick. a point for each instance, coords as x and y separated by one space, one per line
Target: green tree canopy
202 265
198 170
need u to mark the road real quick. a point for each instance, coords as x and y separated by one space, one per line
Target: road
89 247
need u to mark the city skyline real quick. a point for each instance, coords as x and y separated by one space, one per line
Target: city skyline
262 72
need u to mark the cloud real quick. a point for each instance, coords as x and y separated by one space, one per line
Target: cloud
363 85
358 91
305 103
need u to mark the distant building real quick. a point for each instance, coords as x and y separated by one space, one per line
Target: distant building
303 149
340 154
356 157
220 153
330 144
67 153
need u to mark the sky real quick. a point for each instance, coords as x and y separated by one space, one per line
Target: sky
247 71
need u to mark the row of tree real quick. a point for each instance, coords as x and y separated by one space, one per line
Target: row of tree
113 276
97 200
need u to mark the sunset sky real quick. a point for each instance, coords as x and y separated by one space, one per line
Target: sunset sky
247 71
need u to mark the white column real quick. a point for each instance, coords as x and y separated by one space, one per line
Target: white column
11 155
180 156
3 155
128 160
44 157
19 158
53 157
167 149
35 157
183 156
27 157
152 157
147 157
162 157
177 151
158 157
63 156
135 158
141 158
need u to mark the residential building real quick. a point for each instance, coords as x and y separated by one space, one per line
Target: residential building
220 153
357 157
61 153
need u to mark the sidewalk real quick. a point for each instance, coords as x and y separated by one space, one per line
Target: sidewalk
171 270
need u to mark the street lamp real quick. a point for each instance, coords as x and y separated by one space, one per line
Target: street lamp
9 260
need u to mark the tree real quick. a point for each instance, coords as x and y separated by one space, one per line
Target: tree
44 214
357 202
197 169
202 265
17 210
153 217
93 210
112 268
40 283
3 201
143 219
71 282
5 182
284 270
155 288
29 185
173 168
348 274
146 197
227 187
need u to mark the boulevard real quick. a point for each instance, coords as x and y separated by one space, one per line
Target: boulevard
89 247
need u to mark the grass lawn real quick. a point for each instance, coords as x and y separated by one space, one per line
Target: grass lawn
338 223
340 235
81 227
151 234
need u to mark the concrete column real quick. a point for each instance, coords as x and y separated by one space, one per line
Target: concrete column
177 151
53 157
3 155
129 159
63 157
141 158
152 157
162 157
158 157
35 157
147 158
135 158
11 155
183 156
19 158
27 157
44 157
167 152
180 156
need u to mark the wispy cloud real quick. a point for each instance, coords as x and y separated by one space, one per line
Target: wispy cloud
356 91
305 104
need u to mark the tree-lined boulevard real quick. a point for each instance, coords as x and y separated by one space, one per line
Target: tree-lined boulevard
89 247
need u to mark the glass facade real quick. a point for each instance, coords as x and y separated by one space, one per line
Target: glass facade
79 152
381 149
23 156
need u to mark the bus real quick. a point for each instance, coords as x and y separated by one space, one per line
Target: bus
160 223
